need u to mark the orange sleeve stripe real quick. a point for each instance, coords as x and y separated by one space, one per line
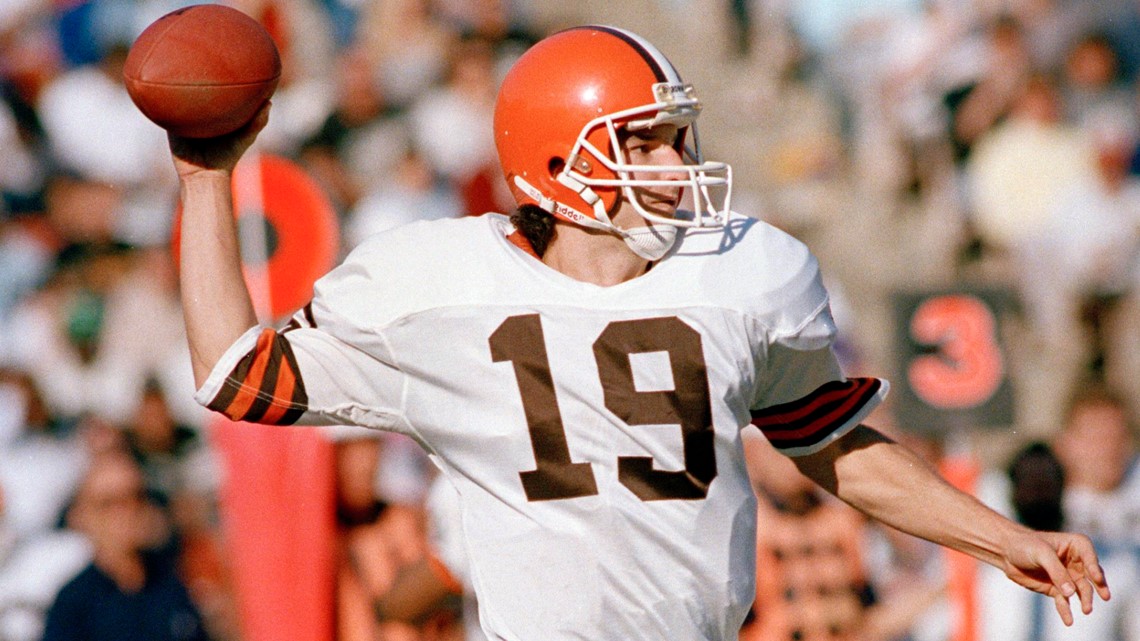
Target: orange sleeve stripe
284 389
252 381
265 386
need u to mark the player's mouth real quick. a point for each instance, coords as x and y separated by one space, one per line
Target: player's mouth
670 203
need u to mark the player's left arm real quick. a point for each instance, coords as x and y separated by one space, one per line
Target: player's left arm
886 481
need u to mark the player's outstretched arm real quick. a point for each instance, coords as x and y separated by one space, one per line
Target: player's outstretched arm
215 302
891 484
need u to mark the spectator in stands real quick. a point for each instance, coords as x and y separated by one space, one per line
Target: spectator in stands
438 585
362 139
42 455
1084 259
407 46
1097 446
1029 490
24 171
306 92
105 323
451 126
182 475
1017 171
979 105
39 467
1037 480
415 192
26 262
1092 82
122 153
131 591
375 540
812 579
174 458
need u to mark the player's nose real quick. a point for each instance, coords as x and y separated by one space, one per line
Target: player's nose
671 160
674 171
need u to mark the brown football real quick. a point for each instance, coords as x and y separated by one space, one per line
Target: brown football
203 70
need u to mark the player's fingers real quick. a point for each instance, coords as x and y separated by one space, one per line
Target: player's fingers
1085 594
261 118
1091 563
1058 574
1100 581
1063 585
1063 609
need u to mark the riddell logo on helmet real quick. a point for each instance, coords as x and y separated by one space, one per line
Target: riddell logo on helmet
569 213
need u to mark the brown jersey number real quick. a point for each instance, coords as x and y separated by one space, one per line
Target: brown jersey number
520 341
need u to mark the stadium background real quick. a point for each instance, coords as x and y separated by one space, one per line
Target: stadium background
966 170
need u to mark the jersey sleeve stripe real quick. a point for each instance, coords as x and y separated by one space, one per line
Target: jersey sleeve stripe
232 385
263 394
810 420
803 409
295 322
288 387
253 376
829 399
265 386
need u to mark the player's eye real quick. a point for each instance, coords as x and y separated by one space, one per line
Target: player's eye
641 146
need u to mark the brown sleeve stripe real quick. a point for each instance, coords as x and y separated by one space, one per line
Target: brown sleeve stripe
265 386
287 387
811 419
295 323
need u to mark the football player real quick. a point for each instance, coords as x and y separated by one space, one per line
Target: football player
583 369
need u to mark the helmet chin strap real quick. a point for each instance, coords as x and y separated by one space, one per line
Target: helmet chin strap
650 242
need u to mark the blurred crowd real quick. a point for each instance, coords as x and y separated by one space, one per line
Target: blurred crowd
913 144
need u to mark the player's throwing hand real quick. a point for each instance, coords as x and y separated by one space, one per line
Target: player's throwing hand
192 155
1057 564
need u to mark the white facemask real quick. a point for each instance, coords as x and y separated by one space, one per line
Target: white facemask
650 242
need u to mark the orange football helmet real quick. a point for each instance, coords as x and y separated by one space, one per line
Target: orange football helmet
557 118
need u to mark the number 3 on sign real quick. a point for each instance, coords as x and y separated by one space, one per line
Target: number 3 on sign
968 368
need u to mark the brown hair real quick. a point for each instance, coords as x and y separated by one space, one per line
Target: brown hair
535 224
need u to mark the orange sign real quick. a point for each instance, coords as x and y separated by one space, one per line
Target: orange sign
288 232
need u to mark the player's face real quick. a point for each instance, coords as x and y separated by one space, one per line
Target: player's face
653 147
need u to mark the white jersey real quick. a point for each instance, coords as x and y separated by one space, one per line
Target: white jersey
593 433
445 536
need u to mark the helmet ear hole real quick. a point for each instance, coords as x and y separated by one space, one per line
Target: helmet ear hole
555 166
